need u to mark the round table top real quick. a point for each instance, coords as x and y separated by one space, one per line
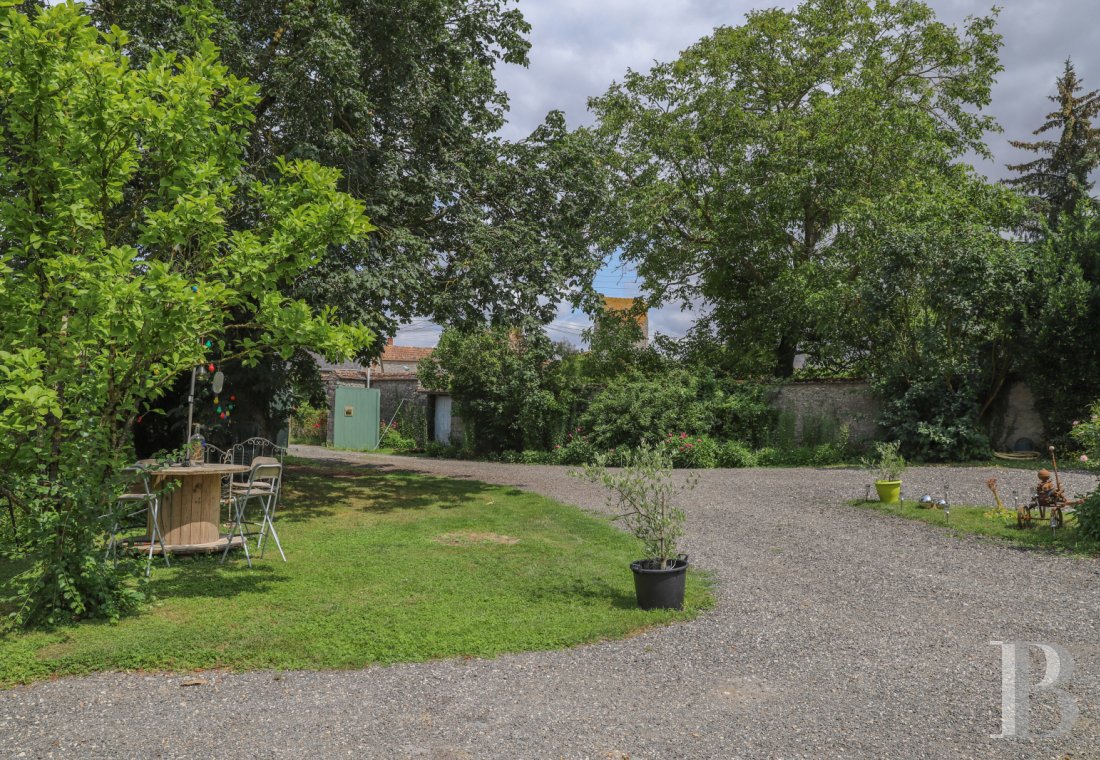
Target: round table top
211 468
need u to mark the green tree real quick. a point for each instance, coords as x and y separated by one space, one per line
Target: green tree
402 97
120 264
1059 178
506 384
939 311
746 167
1061 355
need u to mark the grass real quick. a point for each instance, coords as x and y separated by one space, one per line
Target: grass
383 568
972 520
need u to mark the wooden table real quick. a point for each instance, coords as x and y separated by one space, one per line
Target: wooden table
190 513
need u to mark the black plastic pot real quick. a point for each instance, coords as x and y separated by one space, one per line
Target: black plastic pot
659 589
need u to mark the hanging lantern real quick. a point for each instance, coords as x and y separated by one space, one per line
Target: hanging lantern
223 415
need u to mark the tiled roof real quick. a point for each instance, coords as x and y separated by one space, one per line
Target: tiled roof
393 353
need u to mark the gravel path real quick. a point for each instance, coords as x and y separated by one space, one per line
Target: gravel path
838 632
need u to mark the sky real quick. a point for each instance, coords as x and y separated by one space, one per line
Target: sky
579 47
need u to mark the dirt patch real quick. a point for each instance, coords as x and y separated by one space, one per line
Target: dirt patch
466 538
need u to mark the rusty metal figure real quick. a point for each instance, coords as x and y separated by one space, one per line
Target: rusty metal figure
1049 497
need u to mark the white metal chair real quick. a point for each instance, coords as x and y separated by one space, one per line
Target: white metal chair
148 502
264 481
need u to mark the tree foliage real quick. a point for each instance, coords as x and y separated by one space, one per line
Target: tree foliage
119 260
748 166
1060 352
402 97
506 384
1059 178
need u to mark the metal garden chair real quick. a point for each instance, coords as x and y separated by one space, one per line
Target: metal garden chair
147 502
264 481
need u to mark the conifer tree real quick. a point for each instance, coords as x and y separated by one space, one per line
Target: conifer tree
1059 178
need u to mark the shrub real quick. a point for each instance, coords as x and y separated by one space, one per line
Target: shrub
643 409
1088 515
391 437
690 452
577 449
935 423
643 493
736 454
309 425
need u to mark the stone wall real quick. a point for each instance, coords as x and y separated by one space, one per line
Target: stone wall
850 403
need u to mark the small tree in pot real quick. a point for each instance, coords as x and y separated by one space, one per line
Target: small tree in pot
643 493
888 464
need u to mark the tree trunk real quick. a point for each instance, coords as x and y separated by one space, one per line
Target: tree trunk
784 356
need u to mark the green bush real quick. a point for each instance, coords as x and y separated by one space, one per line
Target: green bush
577 449
688 452
935 423
309 425
528 456
736 454
391 437
646 409
1088 515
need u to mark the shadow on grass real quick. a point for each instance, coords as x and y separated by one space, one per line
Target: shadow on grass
311 492
205 578
570 591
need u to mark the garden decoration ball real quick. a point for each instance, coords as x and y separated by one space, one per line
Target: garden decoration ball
926 501
941 503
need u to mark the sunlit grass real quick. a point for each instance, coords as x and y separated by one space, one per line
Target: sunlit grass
382 568
969 519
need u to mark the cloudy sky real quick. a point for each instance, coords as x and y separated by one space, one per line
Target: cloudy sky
578 47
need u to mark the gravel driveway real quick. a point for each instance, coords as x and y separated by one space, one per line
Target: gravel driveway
838 632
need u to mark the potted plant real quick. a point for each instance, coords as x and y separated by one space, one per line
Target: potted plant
888 464
642 494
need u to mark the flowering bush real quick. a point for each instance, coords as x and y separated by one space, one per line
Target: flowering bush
691 452
576 449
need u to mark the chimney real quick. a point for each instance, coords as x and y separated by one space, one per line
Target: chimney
389 341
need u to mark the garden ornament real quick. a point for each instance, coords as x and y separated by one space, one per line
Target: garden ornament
1049 497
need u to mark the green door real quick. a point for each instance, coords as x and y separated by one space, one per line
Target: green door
356 418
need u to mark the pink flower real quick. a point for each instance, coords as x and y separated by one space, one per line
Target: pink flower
683 435
689 445
1084 458
1076 423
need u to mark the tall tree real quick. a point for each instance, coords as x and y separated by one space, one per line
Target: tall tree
747 166
1059 178
119 270
401 95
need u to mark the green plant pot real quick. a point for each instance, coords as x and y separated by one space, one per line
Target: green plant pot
889 491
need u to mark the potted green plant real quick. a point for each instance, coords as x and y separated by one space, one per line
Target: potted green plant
888 465
642 494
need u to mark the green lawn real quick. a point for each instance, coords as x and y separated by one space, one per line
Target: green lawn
968 519
382 568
